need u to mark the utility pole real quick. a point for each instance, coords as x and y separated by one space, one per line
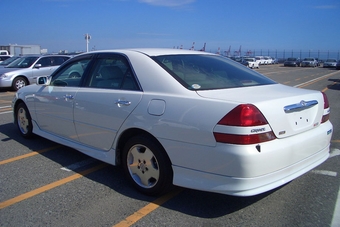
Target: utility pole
87 38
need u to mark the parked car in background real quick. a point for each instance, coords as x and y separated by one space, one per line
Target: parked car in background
275 61
330 63
260 60
318 62
309 62
268 60
25 70
292 62
188 118
338 65
4 57
8 61
237 59
251 63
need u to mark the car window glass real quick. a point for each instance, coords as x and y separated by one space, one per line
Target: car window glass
112 72
203 72
45 62
71 74
23 62
58 60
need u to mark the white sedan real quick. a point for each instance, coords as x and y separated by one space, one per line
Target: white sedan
179 117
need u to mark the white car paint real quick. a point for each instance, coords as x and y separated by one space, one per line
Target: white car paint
252 63
184 121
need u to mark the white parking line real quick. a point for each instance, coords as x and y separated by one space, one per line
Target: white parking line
336 214
325 172
5 107
6 112
77 165
334 152
319 78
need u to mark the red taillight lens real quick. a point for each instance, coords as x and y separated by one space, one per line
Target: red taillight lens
245 115
325 116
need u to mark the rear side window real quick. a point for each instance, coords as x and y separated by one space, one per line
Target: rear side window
206 72
112 71
58 60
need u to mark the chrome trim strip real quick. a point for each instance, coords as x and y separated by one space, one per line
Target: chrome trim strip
300 106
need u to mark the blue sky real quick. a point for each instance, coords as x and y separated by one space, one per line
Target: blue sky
253 24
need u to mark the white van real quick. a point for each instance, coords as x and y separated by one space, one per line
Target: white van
4 52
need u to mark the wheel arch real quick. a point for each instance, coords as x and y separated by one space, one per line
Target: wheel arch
129 133
15 106
20 76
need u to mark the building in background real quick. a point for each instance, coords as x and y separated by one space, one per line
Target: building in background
16 49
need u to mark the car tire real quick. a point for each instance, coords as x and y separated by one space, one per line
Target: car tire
23 121
147 166
18 83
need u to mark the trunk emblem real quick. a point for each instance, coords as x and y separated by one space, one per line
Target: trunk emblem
300 106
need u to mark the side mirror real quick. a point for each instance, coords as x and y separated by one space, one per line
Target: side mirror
42 80
37 66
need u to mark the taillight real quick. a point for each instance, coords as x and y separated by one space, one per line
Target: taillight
251 126
326 109
243 115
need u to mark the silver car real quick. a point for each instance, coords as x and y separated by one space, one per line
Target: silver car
309 62
25 70
330 63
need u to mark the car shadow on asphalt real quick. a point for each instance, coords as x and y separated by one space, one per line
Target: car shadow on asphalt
335 85
192 202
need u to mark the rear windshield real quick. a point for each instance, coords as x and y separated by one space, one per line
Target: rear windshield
207 72
291 59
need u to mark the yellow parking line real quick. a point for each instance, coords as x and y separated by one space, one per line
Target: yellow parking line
50 186
147 209
27 155
335 141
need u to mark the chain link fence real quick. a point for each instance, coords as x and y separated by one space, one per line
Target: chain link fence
281 55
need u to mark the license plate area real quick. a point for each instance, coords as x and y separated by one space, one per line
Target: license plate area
301 120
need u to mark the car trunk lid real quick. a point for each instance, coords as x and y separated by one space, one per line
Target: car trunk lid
289 111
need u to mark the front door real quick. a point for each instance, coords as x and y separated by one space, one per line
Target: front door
55 102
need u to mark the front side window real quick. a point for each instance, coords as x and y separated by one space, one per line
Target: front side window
205 72
70 75
45 62
24 62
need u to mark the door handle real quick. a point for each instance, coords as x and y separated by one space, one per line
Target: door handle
122 103
68 97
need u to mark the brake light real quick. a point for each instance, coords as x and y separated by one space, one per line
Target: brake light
256 128
243 115
325 116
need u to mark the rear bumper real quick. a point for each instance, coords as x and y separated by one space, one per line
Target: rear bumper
244 171
246 186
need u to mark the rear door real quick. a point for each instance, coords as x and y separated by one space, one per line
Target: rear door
110 94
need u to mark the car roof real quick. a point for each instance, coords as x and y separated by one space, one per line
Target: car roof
39 55
152 51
